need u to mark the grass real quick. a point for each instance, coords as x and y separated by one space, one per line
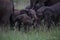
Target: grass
53 34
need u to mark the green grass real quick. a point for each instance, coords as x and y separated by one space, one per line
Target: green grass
53 34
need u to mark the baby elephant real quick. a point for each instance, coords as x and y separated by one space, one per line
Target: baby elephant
25 20
14 15
50 14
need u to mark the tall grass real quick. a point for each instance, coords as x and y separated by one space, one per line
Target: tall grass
53 34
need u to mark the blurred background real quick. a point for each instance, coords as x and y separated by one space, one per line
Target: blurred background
21 4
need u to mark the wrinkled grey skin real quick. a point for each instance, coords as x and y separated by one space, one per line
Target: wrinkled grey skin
51 13
6 9
25 19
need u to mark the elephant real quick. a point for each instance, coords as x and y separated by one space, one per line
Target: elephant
50 14
25 20
30 13
16 13
6 9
